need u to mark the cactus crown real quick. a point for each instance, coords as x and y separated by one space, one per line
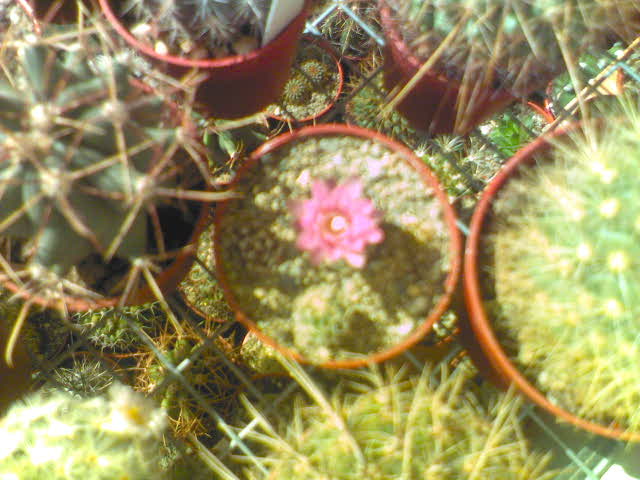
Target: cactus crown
517 45
567 279
221 25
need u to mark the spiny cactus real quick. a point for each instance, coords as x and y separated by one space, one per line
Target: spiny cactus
203 368
59 436
223 27
567 278
313 86
91 160
512 45
110 328
341 234
438 425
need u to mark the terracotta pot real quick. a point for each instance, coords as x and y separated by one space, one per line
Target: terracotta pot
447 213
330 102
432 105
485 348
235 86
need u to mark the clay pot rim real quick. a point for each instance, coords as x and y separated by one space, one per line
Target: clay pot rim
328 48
478 316
428 177
208 63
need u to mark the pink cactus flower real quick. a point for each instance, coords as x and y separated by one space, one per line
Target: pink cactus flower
337 222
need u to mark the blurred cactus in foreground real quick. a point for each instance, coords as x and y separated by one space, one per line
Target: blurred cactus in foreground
437 425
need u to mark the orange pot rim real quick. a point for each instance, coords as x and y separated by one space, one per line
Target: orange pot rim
450 217
478 316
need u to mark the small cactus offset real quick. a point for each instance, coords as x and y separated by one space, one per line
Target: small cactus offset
438 425
224 27
567 278
59 436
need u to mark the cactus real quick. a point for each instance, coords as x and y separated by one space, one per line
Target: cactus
566 272
365 107
202 367
512 45
313 86
59 436
399 425
89 159
222 27
109 328
386 268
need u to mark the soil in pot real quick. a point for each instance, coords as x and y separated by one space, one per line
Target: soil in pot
332 311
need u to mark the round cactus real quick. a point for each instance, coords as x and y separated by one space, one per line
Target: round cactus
565 248
336 234
518 46
93 167
438 425
59 436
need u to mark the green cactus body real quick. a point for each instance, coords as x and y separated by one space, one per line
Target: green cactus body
59 436
81 147
318 310
222 27
438 425
518 45
110 328
567 279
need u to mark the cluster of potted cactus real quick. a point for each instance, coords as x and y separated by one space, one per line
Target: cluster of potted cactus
192 255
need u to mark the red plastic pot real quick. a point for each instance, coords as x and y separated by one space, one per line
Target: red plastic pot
484 345
430 181
434 104
235 86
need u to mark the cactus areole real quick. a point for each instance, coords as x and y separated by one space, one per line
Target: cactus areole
492 354
227 85
84 151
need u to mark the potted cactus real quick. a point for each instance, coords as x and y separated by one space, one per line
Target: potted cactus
101 180
551 275
234 46
339 231
457 65
314 85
